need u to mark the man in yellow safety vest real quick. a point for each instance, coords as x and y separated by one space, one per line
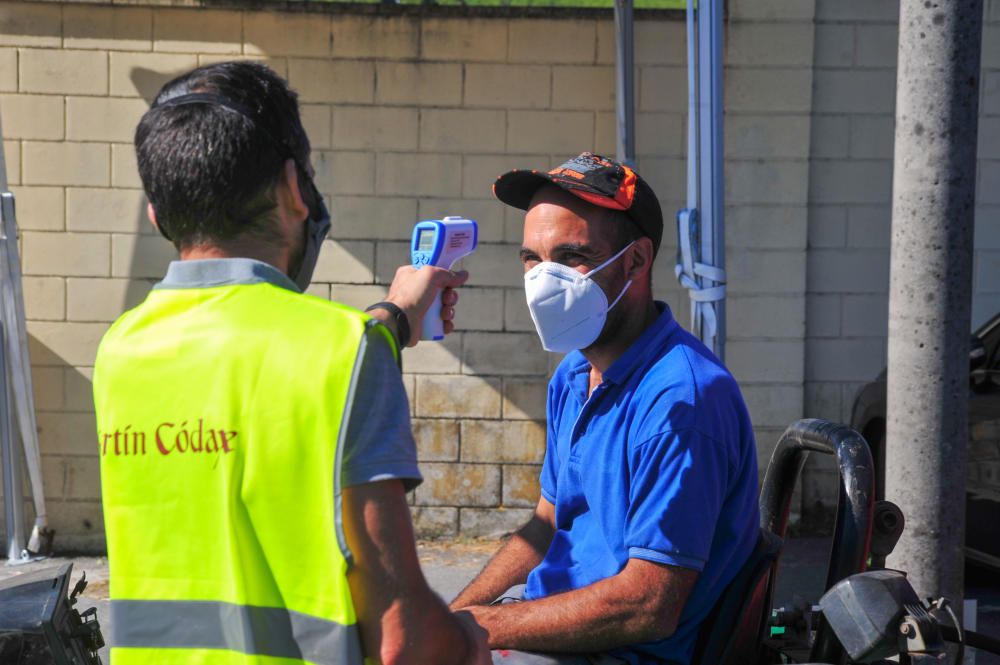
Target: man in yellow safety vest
255 441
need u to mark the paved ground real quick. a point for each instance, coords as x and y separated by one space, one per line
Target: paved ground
449 566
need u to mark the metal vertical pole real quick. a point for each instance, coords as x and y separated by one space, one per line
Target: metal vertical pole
9 450
701 255
712 194
13 495
3 165
21 402
930 285
625 82
685 239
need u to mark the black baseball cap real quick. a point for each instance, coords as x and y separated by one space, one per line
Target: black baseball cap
599 180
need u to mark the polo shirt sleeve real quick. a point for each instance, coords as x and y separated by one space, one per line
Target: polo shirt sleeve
379 444
677 488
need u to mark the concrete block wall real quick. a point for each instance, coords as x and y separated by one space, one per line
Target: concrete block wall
768 84
849 218
412 116
986 278
850 193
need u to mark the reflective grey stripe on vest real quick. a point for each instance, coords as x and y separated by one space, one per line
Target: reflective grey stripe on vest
258 631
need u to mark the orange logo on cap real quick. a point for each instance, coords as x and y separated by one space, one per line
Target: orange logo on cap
567 172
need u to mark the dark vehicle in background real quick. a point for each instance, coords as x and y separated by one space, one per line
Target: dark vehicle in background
982 537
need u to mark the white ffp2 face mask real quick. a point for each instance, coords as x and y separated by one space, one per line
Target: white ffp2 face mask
569 309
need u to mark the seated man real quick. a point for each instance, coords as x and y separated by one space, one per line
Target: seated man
648 501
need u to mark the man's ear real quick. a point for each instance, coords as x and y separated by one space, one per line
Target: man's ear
641 261
151 216
288 187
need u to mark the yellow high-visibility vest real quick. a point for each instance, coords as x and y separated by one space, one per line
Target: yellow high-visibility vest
221 415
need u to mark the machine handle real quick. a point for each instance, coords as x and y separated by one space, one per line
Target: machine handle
852 533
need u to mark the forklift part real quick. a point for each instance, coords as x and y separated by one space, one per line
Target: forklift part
791 630
865 611
887 527
973 639
943 604
920 636
852 535
731 632
40 626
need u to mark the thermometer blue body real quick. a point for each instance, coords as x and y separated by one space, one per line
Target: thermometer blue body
441 242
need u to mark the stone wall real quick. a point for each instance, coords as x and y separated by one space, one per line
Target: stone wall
850 207
412 113
411 117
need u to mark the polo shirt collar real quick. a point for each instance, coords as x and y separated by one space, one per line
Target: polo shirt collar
648 343
206 273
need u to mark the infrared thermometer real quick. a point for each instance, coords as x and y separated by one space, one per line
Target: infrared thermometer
441 242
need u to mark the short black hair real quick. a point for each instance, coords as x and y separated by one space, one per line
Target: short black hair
625 229
210 173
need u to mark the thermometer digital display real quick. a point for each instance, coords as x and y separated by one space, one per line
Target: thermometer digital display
425 240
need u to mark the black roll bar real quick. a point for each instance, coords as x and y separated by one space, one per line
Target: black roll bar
852 531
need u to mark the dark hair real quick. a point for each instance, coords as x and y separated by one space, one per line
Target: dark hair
625 229
209 172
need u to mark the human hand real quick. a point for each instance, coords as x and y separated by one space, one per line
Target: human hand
414 292
479 652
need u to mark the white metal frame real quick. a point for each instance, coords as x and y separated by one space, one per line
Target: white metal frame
701 226
17 401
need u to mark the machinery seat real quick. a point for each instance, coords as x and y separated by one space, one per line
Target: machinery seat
732 633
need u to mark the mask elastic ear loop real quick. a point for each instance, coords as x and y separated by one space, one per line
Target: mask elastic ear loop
609 261
620 296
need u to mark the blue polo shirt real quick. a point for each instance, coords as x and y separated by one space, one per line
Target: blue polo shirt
658 464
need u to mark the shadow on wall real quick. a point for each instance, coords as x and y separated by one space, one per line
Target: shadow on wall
62 359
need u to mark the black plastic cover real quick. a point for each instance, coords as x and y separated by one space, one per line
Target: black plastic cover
40 626
865 611
28 603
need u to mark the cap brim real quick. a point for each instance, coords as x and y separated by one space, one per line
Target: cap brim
517 188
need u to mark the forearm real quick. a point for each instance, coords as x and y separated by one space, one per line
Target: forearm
582 620
509 566
401 619
642 603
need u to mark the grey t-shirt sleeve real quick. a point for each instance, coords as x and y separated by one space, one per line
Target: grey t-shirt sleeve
379 443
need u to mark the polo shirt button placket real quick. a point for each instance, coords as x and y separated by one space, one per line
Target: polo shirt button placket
579 426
